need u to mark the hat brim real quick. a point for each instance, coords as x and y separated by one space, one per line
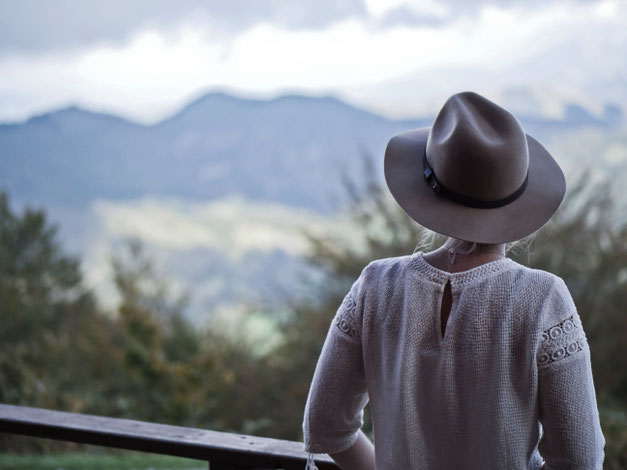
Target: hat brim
404 176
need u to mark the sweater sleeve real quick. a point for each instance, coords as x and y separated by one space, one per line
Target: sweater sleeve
338 394
572 437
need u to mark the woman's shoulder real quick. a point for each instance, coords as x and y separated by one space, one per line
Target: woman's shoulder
547 291
392 266
382 271
538 278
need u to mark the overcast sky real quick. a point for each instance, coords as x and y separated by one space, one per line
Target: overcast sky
144 59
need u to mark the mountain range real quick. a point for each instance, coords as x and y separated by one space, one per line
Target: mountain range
290 150
287 150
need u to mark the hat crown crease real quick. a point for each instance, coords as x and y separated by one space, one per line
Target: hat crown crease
477 148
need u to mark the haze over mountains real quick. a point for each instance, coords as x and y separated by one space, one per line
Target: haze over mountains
288 150
221 190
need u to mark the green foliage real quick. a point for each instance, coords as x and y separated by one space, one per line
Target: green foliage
614 422
168 371
157 354
50 329
98 461
42 305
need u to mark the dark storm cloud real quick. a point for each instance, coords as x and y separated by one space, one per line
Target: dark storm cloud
35 26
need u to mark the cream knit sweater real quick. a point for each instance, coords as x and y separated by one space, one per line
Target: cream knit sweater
513 355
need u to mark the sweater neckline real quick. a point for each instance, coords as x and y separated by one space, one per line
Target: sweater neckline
459 278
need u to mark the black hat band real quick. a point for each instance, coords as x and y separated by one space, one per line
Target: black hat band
454 196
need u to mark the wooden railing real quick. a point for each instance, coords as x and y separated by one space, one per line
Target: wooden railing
223 451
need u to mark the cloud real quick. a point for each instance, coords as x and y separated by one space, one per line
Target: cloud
393 70
385 14
40 26
556 54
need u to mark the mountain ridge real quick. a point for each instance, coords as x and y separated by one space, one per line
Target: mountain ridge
215 146
611 113
289 149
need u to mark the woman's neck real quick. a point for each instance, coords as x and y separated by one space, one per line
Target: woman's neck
458 255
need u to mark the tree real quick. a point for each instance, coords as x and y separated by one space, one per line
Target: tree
42 302
49 323
157 353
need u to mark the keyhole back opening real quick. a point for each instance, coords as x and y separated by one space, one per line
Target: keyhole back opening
446 304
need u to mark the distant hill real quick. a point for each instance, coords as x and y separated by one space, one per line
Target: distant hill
289 150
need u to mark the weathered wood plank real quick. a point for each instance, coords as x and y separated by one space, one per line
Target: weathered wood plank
225 448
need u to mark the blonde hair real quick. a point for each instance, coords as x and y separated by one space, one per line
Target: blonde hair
429 240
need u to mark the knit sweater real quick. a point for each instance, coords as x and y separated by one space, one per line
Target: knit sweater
507 385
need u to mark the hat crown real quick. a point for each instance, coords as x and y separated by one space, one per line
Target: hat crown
478 149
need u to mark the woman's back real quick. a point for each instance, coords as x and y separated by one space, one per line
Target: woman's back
461 378
471 397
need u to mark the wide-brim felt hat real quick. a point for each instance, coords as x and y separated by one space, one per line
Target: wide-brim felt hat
475 174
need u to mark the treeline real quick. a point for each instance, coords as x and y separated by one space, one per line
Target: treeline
60 350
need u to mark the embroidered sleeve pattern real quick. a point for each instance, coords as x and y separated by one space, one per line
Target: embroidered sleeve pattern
561 341
345 317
